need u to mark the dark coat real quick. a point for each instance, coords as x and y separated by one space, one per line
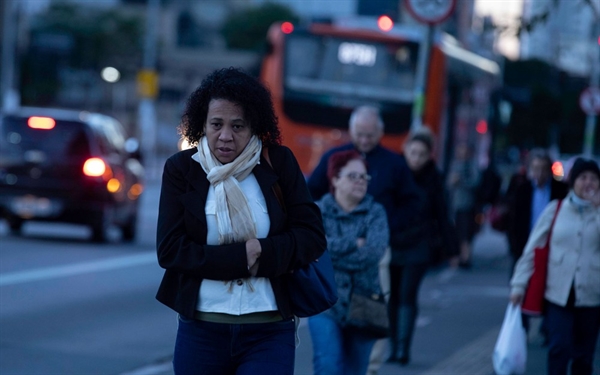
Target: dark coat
519 223
391 186
431 226
296 237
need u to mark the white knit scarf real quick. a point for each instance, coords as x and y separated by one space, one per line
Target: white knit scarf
234 219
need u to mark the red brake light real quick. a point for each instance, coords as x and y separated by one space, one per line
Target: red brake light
45 123
287 27
94 167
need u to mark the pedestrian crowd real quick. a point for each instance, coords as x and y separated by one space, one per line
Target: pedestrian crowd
237 219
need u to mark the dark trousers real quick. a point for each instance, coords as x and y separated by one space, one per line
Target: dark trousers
573 333
405 282
205 348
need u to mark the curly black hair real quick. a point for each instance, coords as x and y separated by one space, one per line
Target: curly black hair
238 87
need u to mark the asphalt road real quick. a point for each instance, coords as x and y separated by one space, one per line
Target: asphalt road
68 306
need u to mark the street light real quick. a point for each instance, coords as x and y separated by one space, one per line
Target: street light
112 76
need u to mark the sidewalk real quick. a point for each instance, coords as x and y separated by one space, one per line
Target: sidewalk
459 321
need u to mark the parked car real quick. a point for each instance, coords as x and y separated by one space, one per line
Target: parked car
68 166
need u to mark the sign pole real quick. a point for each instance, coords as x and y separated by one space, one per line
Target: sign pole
148 88
590 123
431 13
421 79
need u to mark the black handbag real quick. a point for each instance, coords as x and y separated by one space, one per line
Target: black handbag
312 288
368 314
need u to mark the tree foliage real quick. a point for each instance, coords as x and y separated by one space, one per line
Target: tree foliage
99 36
247 29
68 37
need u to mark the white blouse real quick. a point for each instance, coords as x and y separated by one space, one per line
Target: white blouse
241 296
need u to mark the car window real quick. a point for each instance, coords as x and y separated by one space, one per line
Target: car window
67 139
110 132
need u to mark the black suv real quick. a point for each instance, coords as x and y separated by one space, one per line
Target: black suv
68 166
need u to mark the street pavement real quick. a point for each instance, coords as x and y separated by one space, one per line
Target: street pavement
460 315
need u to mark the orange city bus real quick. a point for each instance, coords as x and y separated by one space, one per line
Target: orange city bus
319 72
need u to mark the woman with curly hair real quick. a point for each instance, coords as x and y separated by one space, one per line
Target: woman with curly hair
226 239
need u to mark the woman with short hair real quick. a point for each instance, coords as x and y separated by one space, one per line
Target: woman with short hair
357 237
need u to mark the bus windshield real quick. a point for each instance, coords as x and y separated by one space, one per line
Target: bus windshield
325 73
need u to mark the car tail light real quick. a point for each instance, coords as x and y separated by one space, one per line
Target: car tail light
94 167
45 123
135 191
113 185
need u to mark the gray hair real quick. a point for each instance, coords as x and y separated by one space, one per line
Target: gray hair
366 110
539 153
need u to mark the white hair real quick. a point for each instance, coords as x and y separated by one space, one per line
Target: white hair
366 110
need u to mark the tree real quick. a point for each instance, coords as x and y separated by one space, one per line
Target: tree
74 37
248 28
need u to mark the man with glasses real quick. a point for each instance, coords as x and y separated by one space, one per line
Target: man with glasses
390 183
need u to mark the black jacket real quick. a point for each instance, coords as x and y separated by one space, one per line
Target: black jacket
519 223
438 230
296 236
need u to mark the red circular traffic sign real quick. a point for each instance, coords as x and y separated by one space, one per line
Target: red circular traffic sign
589 101
430 11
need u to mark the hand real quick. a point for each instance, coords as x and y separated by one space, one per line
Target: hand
254 269
360 242
516 299
253 251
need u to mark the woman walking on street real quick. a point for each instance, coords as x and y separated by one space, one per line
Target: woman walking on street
572 295
225 241
357 237
431 241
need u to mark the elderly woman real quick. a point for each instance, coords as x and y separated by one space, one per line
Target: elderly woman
357 237
573 282
224 239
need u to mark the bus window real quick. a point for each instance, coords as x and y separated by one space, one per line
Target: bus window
320 72
326 76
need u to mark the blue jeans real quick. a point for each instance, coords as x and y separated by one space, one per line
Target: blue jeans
572 334
234 349
337 350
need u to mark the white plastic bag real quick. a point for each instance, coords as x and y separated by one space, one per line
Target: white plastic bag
510 352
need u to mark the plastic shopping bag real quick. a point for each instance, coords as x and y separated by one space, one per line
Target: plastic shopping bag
510 352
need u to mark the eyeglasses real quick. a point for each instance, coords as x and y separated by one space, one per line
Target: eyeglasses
354 176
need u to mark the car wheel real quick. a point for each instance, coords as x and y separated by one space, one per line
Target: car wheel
16 225
129 229
100 225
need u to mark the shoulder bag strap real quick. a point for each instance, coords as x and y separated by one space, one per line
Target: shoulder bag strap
276 187
552 225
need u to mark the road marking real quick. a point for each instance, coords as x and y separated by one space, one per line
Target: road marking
75 269
153 369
